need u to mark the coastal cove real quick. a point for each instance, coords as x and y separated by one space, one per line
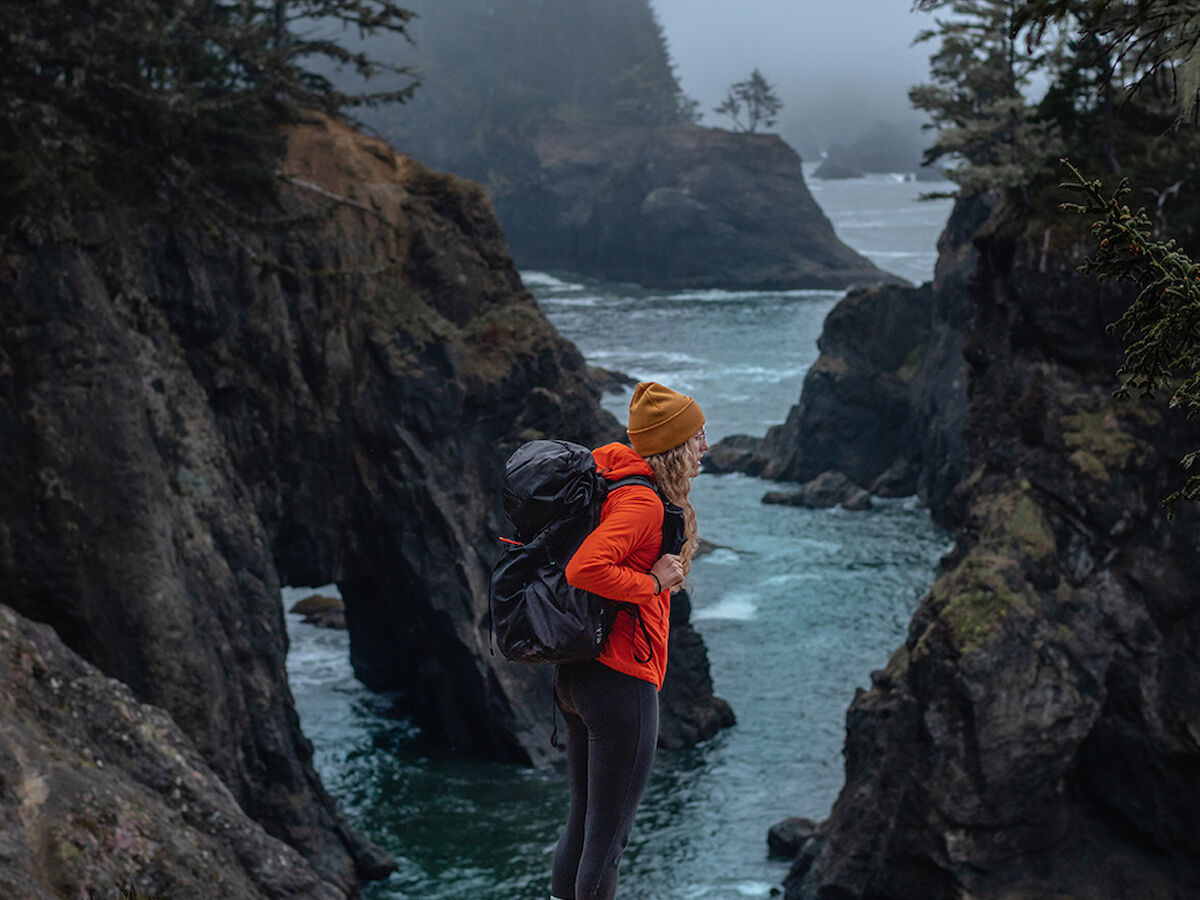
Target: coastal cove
796 607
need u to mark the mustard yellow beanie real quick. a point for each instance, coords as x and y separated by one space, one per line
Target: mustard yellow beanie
660 418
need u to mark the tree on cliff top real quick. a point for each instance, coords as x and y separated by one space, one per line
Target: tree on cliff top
1161 327
754 98
976 98
146 99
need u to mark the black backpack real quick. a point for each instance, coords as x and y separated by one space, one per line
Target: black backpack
553 494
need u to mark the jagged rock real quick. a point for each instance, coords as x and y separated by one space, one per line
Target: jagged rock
786 839
884 402
1037 733
106 797
732 454
881 148
187 424
607 381
676 206
833 167
324 612
826 490
689 712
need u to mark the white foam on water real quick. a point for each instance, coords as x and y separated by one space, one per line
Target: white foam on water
791 577
718 295
722 556
586 300
753 889
899 254
738 607
762 374
542 279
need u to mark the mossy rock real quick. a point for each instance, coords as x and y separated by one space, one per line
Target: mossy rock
1101 445
1013 520
979 594
912 363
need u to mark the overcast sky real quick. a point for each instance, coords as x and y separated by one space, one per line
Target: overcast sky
839 65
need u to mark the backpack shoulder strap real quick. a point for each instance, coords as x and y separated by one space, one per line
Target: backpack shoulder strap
634 479
632 608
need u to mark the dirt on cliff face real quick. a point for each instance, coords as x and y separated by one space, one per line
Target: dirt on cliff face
1037 734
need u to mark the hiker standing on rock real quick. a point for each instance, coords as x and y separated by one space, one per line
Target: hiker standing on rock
610 704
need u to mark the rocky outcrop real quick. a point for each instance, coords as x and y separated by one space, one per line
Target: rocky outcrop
571 117
105 796
689 713
324 612
885 400
678 206
1038 733
190 420
826 490
884 147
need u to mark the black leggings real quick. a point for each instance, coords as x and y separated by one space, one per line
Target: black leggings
612 727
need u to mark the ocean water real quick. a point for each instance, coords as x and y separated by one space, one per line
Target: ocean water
796 607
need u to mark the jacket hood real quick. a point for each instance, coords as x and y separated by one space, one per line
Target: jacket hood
617 461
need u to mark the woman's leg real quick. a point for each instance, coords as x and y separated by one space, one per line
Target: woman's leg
570 844
620 714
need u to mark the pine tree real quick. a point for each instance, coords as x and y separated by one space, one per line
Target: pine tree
755 99
976 100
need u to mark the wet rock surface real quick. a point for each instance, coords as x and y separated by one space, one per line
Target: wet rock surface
826 490
324 612
689 712
786 839
1036 734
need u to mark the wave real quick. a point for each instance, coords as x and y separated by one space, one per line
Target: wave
543 279
586 300
762 374
722 556
732 606
753 889
719 295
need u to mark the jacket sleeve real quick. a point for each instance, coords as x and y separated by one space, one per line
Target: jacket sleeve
631 520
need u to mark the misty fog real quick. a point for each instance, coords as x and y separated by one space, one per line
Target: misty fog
838 67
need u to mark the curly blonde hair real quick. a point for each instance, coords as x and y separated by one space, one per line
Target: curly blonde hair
672 471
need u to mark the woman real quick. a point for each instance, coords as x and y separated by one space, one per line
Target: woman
611 703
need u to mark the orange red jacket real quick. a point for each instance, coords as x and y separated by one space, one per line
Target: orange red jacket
614 561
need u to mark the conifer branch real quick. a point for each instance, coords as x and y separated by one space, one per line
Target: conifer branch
1161 327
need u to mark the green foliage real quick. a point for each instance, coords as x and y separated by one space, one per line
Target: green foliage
976 101
755 99
1144 39
149 100
1161 327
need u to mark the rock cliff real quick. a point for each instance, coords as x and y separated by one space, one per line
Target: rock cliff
191 418
571 117
1038 734
106 797
675 206
884 402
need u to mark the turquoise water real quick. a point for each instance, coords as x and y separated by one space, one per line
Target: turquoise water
796 607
